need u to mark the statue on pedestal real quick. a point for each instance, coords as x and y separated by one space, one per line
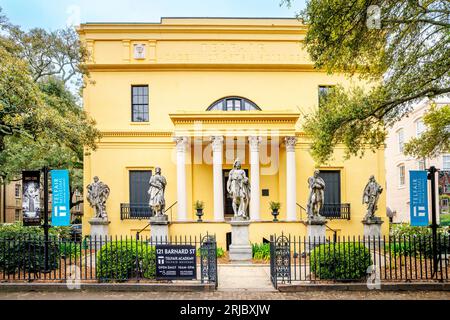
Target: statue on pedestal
371 195
239 189
97 194
316 197
156 191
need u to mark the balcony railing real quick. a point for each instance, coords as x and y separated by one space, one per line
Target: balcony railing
134 211
336 211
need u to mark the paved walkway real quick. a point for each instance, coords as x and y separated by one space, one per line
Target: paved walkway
244 277
229 295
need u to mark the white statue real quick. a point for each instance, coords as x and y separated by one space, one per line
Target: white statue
316 196
97 194
156 191
239 189
371 195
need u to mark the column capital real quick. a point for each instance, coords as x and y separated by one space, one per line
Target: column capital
254 142
181 143
290 143
217 143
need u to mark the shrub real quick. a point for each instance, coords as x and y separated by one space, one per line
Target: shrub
120 260
22 248
27 254
405 230
69 249
261 251
340 262
219 253
418 246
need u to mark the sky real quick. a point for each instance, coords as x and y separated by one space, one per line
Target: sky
55 14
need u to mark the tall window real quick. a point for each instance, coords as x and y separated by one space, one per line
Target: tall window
401 140
139 197
17 190
233 104
324 91
420 127
17 215
139 103
401 175
446 162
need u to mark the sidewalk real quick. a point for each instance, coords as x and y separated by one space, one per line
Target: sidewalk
244 277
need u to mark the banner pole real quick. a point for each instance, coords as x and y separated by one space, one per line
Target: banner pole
46 225
432 176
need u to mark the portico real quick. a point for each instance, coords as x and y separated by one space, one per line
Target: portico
217 138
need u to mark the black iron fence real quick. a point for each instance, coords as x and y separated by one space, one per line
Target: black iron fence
103 259
359 259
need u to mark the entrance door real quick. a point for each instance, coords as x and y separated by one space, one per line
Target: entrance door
227 200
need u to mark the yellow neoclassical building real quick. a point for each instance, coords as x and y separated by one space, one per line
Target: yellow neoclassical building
190 95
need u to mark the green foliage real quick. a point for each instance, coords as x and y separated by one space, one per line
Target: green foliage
199 205
23 248
400 230
119 261
41 121
407 240
340 261
274 205
219 253
434 140
70 250
17 230
399 63
261 251
445 219
27 254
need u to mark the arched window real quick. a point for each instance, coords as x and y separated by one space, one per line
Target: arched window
233 104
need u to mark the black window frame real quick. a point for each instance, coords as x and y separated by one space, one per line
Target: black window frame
242 100
145 106
139 209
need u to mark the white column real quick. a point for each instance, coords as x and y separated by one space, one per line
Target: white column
181 178
217 147
254 143
291 190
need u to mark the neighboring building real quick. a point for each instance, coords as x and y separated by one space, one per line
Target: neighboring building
11 202
189 95
11 209
398 165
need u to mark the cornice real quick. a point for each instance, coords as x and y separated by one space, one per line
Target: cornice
114 134
135 67
234 117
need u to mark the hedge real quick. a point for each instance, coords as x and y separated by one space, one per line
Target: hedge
340 262
122 260
22 248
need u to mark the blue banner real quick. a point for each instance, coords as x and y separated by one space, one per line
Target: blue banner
418 198
60 198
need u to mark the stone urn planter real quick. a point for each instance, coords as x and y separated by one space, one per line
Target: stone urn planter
275 206
199 205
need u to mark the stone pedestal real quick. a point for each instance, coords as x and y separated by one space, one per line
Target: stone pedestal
372 231
159 228
99 230
240 248
315 232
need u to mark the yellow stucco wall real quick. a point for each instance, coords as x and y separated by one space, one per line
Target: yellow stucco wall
189 64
